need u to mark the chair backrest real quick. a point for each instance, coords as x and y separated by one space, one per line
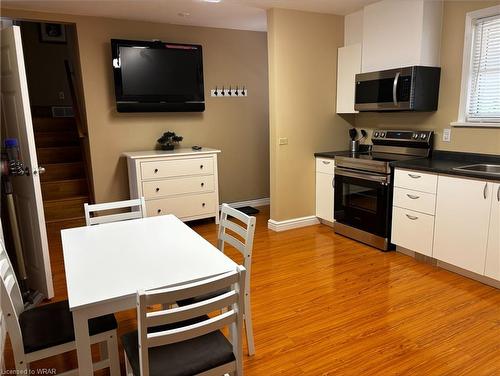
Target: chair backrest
11 303
138 207
246 233
147 317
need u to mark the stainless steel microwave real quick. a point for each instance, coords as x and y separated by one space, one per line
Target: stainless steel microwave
413 88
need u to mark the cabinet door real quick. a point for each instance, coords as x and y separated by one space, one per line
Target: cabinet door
348 65
462 219
492 267
324 196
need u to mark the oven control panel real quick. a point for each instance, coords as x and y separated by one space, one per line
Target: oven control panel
400 135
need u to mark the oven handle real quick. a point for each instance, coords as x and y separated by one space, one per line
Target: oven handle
382 179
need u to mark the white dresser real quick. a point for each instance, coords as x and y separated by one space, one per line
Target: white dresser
182 182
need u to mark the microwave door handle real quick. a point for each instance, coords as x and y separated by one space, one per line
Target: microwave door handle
395 89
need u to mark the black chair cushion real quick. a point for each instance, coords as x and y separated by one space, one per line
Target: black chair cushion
52 324
184 358
185 302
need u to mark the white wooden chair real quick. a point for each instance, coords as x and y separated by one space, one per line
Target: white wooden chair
245 247
184 340
47 330
140 211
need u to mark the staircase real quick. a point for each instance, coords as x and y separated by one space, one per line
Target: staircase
64 183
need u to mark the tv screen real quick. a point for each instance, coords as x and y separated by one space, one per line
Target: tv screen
157 76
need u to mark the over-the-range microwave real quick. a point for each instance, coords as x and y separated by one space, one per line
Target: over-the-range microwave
413 88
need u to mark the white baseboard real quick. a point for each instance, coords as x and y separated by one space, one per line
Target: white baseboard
258 202
292 223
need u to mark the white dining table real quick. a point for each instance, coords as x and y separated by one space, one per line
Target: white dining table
106 264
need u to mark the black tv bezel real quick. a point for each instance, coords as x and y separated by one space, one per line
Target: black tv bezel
157 103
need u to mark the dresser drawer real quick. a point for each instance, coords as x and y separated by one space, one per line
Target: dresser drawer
415 200
412 230
415 180
183 206
325 165
178 186
176 167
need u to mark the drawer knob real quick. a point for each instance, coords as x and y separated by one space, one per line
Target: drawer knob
413 176
203 204
156 170
157 189
412 217
413 197
202 184
201 167
326 162
158 211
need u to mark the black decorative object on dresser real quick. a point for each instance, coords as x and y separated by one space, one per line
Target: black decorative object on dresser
169 140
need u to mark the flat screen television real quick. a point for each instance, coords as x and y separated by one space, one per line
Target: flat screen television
154 76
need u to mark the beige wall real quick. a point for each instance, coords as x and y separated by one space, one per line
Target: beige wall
238 126
45 67
302 90
478 140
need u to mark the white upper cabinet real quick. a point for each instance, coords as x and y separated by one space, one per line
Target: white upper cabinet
401 33
349 64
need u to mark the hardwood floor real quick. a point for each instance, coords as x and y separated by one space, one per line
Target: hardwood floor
326 305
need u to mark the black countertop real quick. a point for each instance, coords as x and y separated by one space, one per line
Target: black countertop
444 162
332 154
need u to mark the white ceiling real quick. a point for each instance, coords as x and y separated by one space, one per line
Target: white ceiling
232 14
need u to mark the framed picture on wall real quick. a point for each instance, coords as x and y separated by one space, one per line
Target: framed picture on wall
52 33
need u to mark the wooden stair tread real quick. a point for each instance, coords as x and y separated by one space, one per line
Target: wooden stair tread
59 189
60 154
43 124
63 171
45 139
83 198
77 218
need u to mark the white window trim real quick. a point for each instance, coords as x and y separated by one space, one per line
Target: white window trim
466 65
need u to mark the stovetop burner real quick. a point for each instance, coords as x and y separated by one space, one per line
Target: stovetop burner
401 146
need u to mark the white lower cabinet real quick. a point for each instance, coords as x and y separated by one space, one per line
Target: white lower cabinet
413 230
452 219
492 267
324 188
462 222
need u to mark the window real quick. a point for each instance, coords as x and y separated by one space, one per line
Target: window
480 96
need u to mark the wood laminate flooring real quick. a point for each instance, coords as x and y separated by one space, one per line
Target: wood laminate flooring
326 305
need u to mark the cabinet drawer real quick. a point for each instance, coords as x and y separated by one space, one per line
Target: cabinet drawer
176 167
325 165
413 230
177 186
415 180
183 206
415 200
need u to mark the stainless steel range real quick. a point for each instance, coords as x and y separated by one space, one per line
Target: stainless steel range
363 185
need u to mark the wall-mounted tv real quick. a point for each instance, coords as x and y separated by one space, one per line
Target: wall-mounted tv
154 76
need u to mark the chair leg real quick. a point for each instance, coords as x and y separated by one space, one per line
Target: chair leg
128 367
114 359
249 325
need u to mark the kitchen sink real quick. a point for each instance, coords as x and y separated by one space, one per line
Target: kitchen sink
483 168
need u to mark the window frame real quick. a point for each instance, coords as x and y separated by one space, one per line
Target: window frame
470 19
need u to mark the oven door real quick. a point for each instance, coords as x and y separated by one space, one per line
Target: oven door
362 201
388 90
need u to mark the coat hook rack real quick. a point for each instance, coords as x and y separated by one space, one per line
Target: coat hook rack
233 91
